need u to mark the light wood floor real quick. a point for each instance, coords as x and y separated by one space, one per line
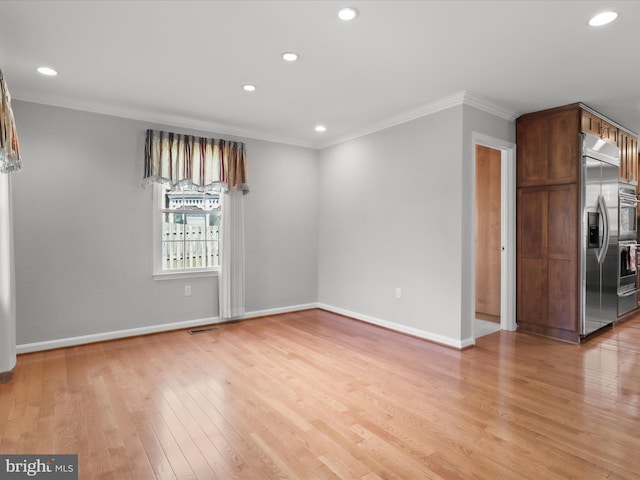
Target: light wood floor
313 395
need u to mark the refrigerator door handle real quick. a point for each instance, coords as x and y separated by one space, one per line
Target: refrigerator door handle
628 294
602 206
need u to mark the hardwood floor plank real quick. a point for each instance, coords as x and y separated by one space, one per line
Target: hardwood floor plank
116 449
343 466
120 430
158 461
314 395
323 473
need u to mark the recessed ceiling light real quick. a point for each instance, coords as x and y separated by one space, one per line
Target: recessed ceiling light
249 88
50 72
321 128
290 56
347 14
603 18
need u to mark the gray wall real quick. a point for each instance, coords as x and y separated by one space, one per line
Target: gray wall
281 226
396 212
83 229
390 217
342 227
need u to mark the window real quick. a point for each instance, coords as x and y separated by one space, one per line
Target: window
186 231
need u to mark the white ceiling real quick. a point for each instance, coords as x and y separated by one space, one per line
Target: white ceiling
183 63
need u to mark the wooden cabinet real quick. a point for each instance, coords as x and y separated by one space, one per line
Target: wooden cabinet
547 278
599 127
548 145
625 171
590 123
632 157
548 213
628 156
628 143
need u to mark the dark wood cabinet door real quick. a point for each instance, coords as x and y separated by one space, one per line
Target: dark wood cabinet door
609 132
633 157
564 147
531 233
562 257
628 156
547 229
595 125
532 150
631 154
548 148
590 123
624 151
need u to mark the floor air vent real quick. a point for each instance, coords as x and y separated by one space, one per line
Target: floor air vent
202 330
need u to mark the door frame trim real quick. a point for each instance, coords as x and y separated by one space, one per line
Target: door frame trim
507 227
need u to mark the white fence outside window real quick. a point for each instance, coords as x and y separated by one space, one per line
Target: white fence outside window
189 246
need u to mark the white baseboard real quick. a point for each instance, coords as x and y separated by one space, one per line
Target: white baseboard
277 311
432 337
133 332
101 337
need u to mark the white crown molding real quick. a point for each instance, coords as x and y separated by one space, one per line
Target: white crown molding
482 103
414 114
465 97
163 119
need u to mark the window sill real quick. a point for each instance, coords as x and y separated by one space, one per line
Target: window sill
181 274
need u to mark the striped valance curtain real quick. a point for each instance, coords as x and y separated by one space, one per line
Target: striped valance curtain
200 163
10 160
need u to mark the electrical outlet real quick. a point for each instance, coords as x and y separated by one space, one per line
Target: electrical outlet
398 292
187 290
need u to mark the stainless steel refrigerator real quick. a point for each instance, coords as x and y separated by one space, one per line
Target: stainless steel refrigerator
599 244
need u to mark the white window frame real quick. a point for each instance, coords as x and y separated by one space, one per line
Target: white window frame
158 272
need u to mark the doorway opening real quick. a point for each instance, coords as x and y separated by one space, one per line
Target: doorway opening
488 240
494 248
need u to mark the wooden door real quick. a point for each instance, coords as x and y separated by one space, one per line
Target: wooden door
488 238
